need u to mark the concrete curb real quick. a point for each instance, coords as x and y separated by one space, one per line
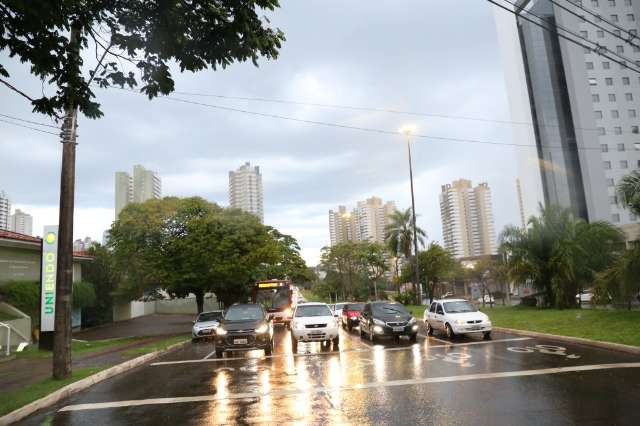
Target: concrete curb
75 387
635 350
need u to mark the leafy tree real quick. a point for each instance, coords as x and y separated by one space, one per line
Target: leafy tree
628 190
436 264
288 264
373 263
102 274
621 280
558 253
399 234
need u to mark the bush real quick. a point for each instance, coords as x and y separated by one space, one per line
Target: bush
529 301
24 295
406 298
84 295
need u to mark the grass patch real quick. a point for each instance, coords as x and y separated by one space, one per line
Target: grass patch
13 400
156 346
78 348
416 310
615 326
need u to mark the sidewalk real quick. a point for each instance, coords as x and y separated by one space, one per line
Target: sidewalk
149 325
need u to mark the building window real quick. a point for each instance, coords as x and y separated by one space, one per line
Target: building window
624 164
606 65
617 131
616 32
587 50
631 17
632 113
594 3
615 113
612 97
628 96
626 81
627 2
621 147
584 34
595 98
619 49
635 129
615 218
610 182
608 81
633 32
614 18
593 82
600 34
604 147
612 3
598 115
601 131
589 65
607 165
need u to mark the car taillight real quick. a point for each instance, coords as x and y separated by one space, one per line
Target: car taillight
353 314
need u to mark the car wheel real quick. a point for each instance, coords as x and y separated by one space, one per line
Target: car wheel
413 338
350 327
194 340
487 335
372 337
449 331
336 344
429 329
294 345
361 333
219 354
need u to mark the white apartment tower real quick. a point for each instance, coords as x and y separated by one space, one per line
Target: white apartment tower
21 222
5 209
142 186
467 219
342 225
585 108
245 190
366 222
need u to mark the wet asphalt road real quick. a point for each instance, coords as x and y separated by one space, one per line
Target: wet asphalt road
507 380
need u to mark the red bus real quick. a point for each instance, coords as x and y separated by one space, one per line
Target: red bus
278 298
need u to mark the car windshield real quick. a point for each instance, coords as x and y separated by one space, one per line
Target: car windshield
339 306
313 311
354 307
389 308
459 307
209 316
273 298
244 312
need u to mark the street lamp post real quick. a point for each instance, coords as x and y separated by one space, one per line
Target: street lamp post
408 130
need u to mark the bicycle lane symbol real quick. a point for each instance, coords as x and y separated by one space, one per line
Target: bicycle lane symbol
543 349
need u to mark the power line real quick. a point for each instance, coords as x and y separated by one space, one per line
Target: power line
29 121
29 127
606 30
597 16
359 128
553 28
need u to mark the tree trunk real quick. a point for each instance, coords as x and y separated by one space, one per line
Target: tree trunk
200 300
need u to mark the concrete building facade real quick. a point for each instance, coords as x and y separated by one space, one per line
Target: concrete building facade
584 107
467 219
21 222
245 190
342 225
366 222
5 210
142 186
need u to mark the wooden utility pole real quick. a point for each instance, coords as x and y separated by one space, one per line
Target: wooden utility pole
64 277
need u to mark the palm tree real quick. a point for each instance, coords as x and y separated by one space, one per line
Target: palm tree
628 190
399 233
558 253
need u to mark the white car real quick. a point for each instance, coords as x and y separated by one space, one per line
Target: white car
314 322
456 316
205 325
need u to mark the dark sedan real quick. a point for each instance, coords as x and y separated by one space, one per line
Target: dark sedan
245 327
387 319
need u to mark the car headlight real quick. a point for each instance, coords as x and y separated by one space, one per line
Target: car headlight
262 329
220 331
378 322
459 322
412 321
377 329
299 326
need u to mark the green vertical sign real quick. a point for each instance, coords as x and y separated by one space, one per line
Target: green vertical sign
48 279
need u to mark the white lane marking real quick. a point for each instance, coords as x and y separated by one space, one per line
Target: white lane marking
324 389
365 349
434 338
210 355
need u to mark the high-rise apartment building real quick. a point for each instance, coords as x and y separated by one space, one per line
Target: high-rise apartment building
21 222
584 107
142 186
467 219
245 190
342 225
366 222
5 210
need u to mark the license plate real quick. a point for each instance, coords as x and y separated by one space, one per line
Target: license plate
239 341
476 327
206 331
396 329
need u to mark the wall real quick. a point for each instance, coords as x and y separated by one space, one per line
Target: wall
20 327
18 264
186 306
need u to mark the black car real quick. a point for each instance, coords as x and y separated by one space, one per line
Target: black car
245 327
387 319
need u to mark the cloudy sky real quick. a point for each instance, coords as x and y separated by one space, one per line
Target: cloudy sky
432 56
